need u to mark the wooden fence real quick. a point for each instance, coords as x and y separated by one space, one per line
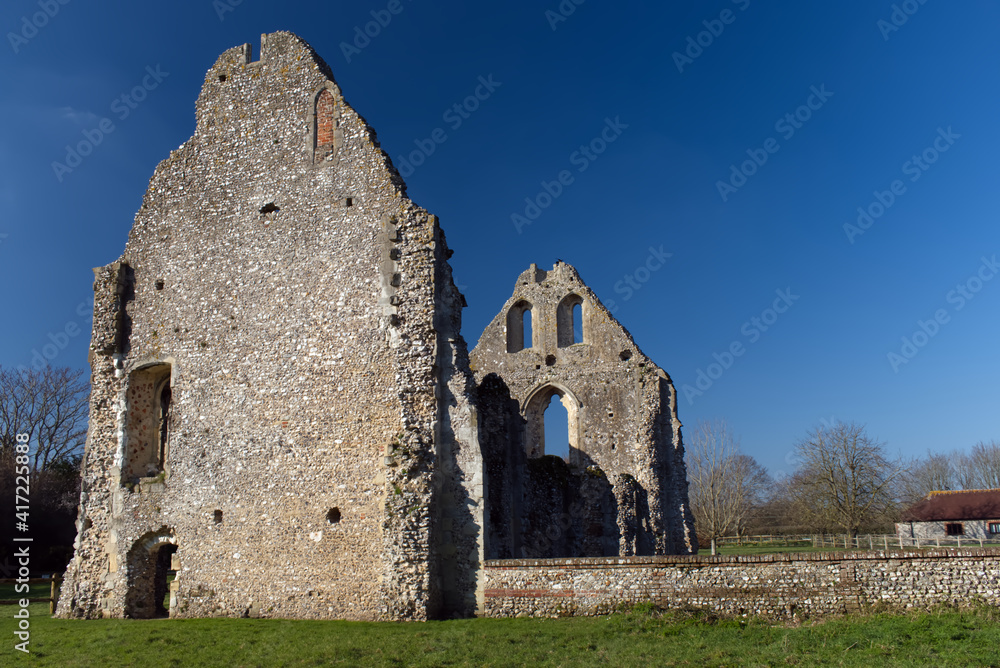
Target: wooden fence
859 542
53 591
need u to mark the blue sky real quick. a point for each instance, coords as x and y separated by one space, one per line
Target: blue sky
651 114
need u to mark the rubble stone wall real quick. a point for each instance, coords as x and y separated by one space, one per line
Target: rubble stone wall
622 412
777 585
304 308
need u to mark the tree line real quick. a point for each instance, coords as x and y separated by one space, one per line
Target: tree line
48 407
846 482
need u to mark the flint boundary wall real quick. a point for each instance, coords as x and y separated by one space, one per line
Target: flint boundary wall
775 585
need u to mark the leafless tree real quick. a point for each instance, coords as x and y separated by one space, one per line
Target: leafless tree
725 485
980 467
50 406
847 480
935 473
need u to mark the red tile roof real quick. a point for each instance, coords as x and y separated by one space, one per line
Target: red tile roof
973 504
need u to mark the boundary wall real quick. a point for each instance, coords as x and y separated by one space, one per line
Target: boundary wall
775 585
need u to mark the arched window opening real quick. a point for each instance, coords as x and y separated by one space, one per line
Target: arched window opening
325 130
570 326
556 424
519 327
552 423
324 119
147 428
577 323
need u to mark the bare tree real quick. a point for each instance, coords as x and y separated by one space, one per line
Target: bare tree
923 476
980 467
50 406
725 485
846 480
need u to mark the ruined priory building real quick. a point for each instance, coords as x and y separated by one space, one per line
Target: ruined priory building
283 411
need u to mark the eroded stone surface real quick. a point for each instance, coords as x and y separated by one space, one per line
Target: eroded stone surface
623 490
283 409
300 312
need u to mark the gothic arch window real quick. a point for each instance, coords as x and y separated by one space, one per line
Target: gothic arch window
520 333
571 324
537 409
325 124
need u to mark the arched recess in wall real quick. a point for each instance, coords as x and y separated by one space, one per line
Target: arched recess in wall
571 321
325 124
534 417
149 404
150 562
520 333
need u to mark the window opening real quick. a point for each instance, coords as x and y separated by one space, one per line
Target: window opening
954 529
556 423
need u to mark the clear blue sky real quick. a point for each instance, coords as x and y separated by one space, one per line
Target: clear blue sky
880 95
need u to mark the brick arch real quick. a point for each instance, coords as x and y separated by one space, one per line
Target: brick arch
325 123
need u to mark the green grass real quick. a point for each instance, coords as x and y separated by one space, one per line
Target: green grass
639 638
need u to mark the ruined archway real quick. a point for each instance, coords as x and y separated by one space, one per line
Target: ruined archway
534 416
150 562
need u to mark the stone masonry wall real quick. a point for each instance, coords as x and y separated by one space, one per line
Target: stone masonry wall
303 309
622 407
778 585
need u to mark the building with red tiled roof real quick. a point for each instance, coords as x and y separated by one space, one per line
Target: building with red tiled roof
973 513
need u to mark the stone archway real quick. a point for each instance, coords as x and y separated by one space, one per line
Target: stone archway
534 416
149 564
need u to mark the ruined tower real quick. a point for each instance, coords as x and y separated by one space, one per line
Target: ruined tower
622 489
281 395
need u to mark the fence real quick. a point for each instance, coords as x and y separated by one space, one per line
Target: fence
53 592
859 542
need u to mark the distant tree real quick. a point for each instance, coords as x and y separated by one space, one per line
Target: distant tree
725 485
937 472
846 480
50 406
980 467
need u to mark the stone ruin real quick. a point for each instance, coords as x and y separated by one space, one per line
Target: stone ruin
283 409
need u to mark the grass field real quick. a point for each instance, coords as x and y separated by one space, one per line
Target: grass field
636 638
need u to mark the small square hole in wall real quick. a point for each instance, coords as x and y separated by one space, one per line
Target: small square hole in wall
349 201
217 516
158 284
333 515
222 78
